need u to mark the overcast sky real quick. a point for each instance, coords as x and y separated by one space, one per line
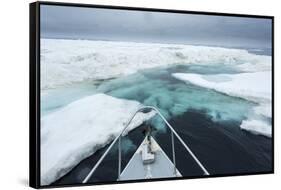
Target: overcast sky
140 26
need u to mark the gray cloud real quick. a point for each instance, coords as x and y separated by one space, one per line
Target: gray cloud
127 25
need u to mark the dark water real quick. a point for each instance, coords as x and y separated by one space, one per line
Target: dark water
206 120
221 147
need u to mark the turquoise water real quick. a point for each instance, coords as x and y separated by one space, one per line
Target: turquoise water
54 99
156 87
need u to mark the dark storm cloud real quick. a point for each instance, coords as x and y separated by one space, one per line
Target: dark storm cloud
91 23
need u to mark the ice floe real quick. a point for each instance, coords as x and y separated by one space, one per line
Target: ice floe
252 86
257 127
77 130
255 87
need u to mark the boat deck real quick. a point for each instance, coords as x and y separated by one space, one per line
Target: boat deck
160 167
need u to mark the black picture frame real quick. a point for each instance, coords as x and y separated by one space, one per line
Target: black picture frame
34 88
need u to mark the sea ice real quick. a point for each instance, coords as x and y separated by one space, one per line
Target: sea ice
254 87
77 130
251 86
69 61
257 127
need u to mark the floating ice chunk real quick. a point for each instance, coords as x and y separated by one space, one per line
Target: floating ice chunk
76 131
251 86
256 127
255 87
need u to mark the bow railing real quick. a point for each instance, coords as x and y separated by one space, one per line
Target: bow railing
118 138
